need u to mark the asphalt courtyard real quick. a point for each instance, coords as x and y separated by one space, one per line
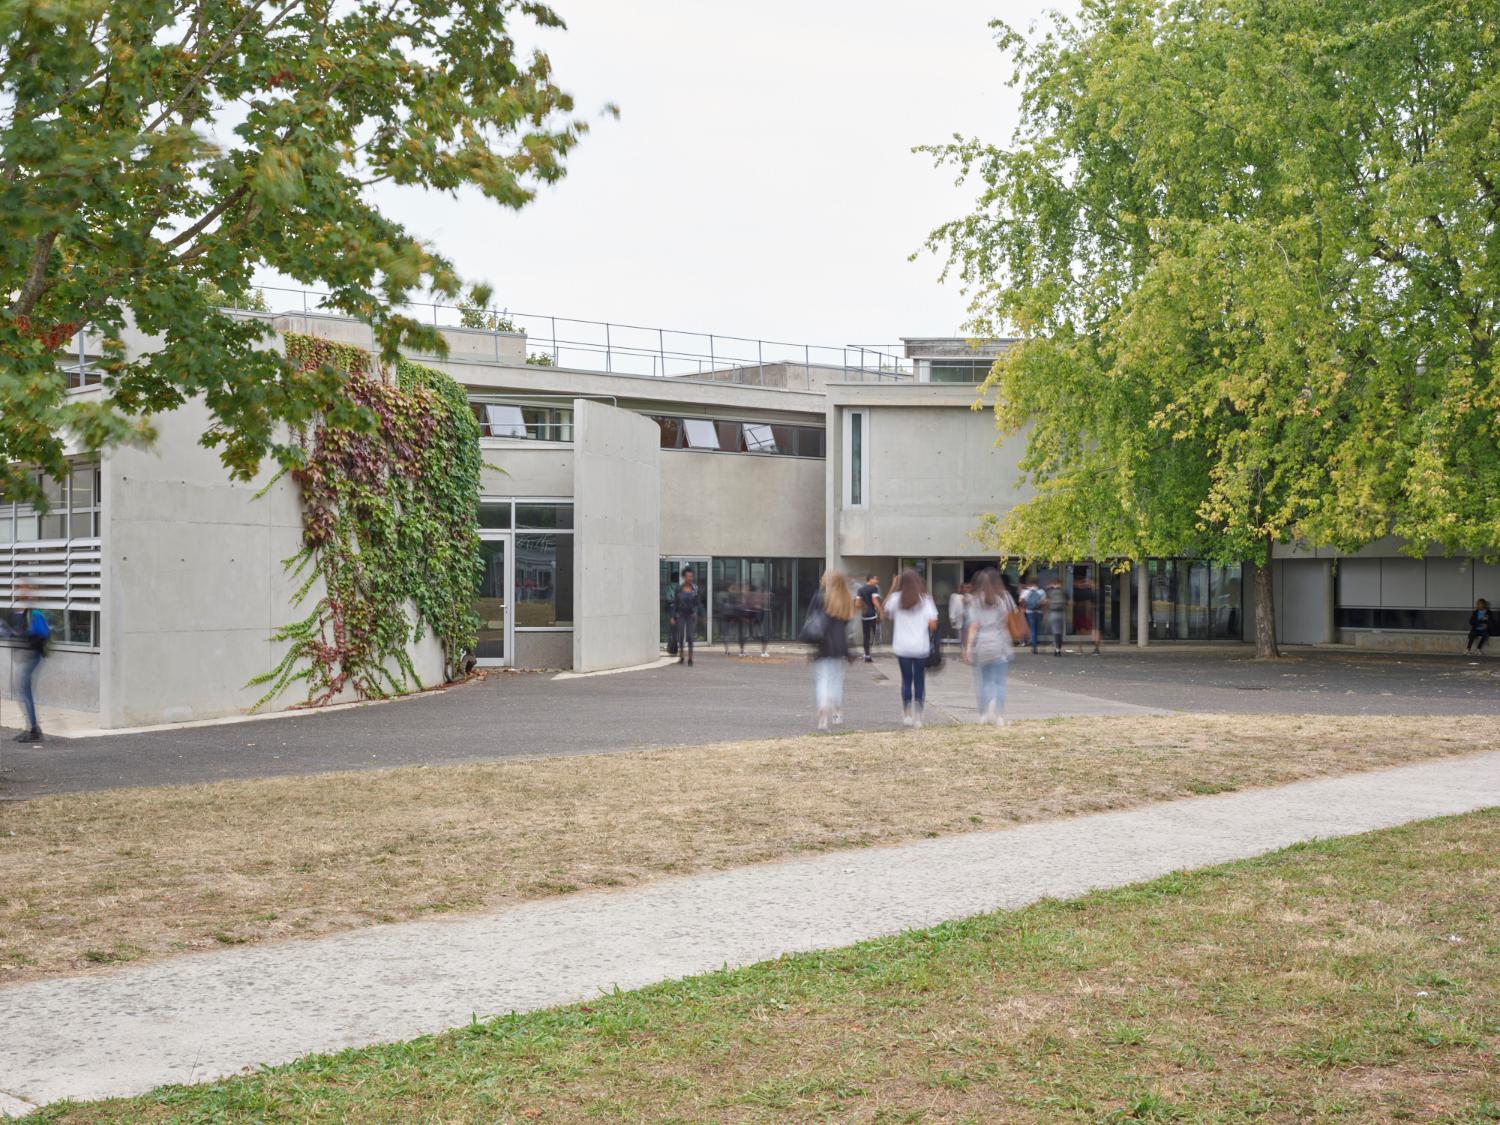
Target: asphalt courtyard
724 699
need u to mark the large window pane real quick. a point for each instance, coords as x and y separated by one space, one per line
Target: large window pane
495 515
701 433
490 604
544 581
730 437
809 442
544 515
502 421
1227 609
671 432
760 437
856 459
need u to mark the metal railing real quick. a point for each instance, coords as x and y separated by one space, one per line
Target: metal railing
633 349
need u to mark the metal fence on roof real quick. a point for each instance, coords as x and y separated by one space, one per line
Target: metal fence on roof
634 349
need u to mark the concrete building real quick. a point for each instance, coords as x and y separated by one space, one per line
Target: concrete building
164 580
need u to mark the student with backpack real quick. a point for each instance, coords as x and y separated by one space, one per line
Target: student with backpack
36 633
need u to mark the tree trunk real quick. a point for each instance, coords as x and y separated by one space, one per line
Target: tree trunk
1265 610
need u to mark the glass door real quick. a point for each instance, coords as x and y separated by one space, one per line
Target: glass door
493 603
944 579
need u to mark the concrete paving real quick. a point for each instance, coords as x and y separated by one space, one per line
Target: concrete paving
728 699
197 1017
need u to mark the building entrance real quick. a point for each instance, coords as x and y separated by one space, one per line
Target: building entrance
494 601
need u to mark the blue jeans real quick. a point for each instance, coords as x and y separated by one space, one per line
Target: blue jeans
29 662
1034 621
828 683
913 679
989 686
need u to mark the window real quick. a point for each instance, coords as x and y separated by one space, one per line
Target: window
544 515
725 436
701 433
520 420
856 458
544 581
57 553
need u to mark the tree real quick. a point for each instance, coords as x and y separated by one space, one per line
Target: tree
155 153
1252 246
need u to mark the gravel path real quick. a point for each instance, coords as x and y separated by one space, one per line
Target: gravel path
197 1017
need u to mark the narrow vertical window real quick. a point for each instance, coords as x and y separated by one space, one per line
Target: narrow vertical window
856 459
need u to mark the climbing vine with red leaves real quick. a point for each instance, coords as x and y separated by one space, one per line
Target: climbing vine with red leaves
390 546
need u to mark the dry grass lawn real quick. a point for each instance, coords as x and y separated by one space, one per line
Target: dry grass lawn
1349 981
98 879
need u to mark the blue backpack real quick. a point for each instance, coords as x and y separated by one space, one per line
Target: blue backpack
38 632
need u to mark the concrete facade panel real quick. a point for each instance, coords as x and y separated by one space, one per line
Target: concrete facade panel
1359 582
741 504
934 473
1450 583
67 678
617 514
521 470
193 581
1487 581
1304 611
1403 582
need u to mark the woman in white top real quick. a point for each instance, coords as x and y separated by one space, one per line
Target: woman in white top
914 618
987 643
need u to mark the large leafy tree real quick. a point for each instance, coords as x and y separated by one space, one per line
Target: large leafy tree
1252 248
155 153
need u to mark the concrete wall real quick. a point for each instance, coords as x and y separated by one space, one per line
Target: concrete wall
193 583
741 504
616 544
67 678
1304 603
521 468
934 471
548 650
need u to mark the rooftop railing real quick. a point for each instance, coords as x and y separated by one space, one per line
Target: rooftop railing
634 349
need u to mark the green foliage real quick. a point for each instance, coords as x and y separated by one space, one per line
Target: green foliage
253 300
390 515
1253 249
154 153
540 359
483 316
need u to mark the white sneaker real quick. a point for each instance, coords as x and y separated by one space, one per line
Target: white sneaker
916 720
906 719
822 720
999 720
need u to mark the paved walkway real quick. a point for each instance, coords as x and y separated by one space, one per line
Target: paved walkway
196 1017
726 699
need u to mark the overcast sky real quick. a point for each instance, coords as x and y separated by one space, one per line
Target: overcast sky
759 181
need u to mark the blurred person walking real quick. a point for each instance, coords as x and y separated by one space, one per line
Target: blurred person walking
914 620
1057 613
958 610
35 633
1032 599
687 604
1086 605
870 612
988 645
827 630
1481 625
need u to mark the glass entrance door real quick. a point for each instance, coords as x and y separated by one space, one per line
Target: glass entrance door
493 603
944 580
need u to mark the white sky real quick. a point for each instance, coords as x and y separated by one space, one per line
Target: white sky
759 181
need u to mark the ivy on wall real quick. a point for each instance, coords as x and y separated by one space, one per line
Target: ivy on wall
390 518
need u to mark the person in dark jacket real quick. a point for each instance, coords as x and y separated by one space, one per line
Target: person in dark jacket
1481 625
834 605
687 604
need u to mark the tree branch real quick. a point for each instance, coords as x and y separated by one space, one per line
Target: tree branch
36 276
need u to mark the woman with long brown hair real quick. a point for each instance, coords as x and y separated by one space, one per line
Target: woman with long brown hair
914 618
827 628
987 643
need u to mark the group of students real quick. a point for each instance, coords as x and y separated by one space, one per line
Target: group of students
986 638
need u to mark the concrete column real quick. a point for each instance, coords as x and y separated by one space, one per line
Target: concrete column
1123 578
1142 604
